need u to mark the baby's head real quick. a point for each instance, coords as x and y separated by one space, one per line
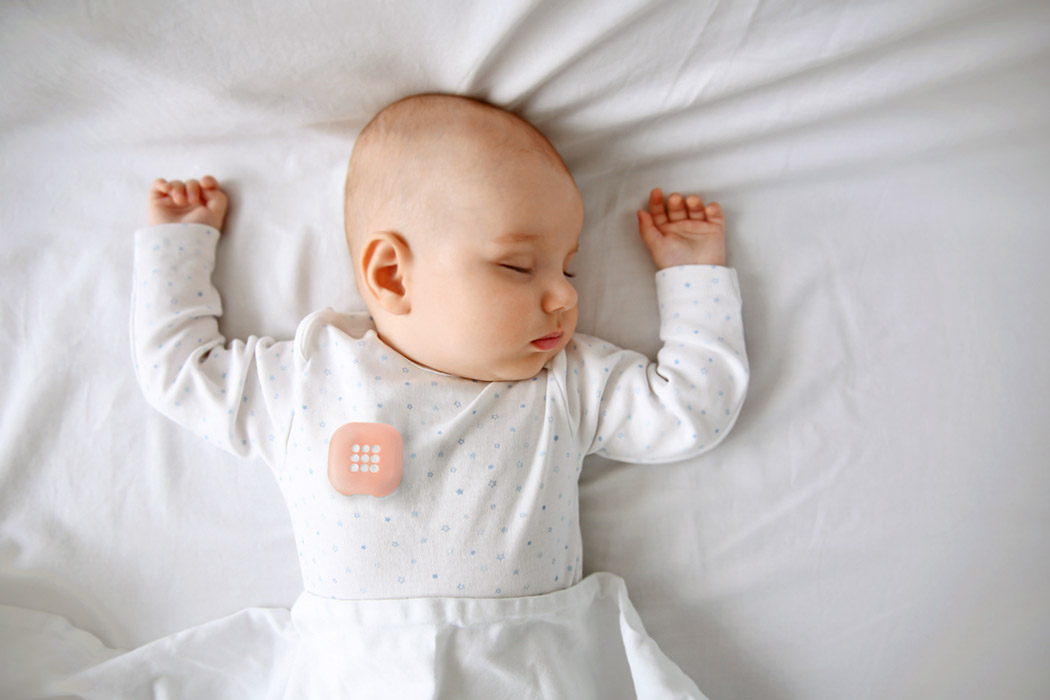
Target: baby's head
462 220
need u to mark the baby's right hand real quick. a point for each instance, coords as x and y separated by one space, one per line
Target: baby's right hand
192 202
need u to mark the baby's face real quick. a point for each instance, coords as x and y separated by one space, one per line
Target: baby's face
490 289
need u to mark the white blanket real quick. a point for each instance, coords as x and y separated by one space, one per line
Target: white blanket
586 643
874 526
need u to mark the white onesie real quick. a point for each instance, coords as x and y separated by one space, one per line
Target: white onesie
488 503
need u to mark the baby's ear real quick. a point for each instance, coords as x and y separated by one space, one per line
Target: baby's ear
384 264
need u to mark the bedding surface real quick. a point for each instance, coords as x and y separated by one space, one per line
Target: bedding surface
585 642
874 525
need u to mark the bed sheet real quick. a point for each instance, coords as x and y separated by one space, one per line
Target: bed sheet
874 526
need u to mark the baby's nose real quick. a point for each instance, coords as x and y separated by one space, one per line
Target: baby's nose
561 296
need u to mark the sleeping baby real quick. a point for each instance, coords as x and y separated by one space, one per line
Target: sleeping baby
431 450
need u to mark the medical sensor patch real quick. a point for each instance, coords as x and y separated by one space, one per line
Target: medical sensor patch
365 459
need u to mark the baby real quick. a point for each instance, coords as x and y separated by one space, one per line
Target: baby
467 382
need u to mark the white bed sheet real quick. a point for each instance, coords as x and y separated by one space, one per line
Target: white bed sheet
874 526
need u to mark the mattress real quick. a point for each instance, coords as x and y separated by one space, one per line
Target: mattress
874 525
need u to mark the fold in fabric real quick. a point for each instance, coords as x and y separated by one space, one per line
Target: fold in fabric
583 642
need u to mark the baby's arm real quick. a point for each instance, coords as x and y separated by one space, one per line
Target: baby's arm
237 395
686 401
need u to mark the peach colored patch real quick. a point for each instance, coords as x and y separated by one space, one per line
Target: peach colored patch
365 458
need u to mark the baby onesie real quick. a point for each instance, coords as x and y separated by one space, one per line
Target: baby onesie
488 503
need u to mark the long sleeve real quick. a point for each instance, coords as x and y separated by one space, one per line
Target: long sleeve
237 396
631 409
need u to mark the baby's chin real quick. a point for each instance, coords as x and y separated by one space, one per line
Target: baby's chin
519 371
484 374
476 372
514 369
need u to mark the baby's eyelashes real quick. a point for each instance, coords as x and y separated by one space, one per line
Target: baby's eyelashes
528 271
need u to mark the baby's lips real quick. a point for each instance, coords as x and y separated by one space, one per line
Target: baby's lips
548 341
365 459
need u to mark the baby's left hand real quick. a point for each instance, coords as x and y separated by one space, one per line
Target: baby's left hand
685 232
191 202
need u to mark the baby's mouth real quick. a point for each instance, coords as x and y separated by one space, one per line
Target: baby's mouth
548 342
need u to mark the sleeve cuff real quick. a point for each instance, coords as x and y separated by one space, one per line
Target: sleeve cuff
687 282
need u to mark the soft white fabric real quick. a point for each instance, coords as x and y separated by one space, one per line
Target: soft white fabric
875 524
40 649
585 643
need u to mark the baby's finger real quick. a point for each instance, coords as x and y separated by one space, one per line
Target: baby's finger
193 192
695 206
656 207
214 199
209 183
650 233
714 212
676 207
177 192
159 188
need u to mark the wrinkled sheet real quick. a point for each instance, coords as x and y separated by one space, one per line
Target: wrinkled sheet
874 526
585 642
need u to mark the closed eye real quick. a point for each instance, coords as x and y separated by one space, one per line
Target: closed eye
527 271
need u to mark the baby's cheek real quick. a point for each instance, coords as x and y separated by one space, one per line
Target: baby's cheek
491 336
487 315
